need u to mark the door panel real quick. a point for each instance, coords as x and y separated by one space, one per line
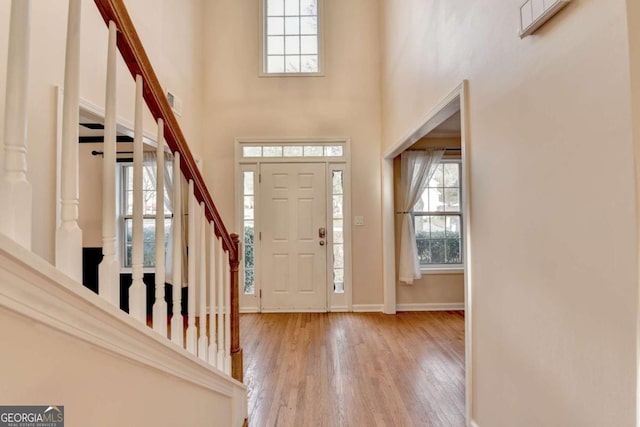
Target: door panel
294 263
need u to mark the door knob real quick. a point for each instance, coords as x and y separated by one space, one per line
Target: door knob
321 242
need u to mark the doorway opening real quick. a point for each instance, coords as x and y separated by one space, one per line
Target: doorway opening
293 205
443 220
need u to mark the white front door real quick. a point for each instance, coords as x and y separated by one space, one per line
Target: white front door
294 244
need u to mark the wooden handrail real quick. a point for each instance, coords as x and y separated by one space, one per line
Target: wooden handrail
138 63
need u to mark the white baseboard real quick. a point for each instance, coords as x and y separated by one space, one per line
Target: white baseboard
449 306
293 310
249 310
367 308
473 424
341 309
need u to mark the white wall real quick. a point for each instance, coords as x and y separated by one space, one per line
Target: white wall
554 267
41 366
170 31
344 103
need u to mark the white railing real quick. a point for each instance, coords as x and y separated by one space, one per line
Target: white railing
212 255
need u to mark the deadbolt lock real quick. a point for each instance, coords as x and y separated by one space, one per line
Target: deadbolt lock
322 232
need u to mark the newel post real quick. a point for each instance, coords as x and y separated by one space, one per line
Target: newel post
236 350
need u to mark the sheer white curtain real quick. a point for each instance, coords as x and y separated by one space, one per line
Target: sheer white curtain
417 168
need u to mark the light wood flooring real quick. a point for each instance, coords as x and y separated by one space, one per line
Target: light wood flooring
354 369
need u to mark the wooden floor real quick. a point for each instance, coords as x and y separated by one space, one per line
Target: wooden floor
351 369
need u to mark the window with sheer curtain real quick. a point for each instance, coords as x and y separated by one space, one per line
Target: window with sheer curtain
438 218
291 37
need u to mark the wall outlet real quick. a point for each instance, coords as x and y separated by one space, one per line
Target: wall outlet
175 103
358 220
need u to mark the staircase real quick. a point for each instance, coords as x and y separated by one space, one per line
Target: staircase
201 346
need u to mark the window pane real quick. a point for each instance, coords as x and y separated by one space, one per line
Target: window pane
451 175
149 254
338 280
293 151
424 251
275 45
129 203
275 26
252 151
437 227
293 64
338 256
127 259
248 207
422 204
308 44
333 151
149 230
275 64
337 206
437 251
336 178
437 180
128 176
292 25
275 7
275 151
128 226
309 25
247 177
292 45
453 252
452 199
453 227
313 151
248 256
422 227
149 202
248 232
292 7
308 7
249 282
436 200
338 234
309 63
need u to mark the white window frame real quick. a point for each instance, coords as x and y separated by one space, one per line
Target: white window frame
263 45
447 268
122 220
336 302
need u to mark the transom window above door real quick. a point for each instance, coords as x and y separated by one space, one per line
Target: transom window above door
293 150
291 42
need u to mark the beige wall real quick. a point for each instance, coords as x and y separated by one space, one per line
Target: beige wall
554 267
96 387
171 32
343 103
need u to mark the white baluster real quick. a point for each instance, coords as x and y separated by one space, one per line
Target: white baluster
213 347
191 275
160 305
177 326
202 286
220 314
15 189
138 290
69 234
109 268
227 315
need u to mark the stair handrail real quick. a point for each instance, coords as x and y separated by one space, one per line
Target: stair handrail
138 63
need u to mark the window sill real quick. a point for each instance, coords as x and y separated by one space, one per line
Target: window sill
457 269
265 74
145 270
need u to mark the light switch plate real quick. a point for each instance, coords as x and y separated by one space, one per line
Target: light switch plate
358 220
